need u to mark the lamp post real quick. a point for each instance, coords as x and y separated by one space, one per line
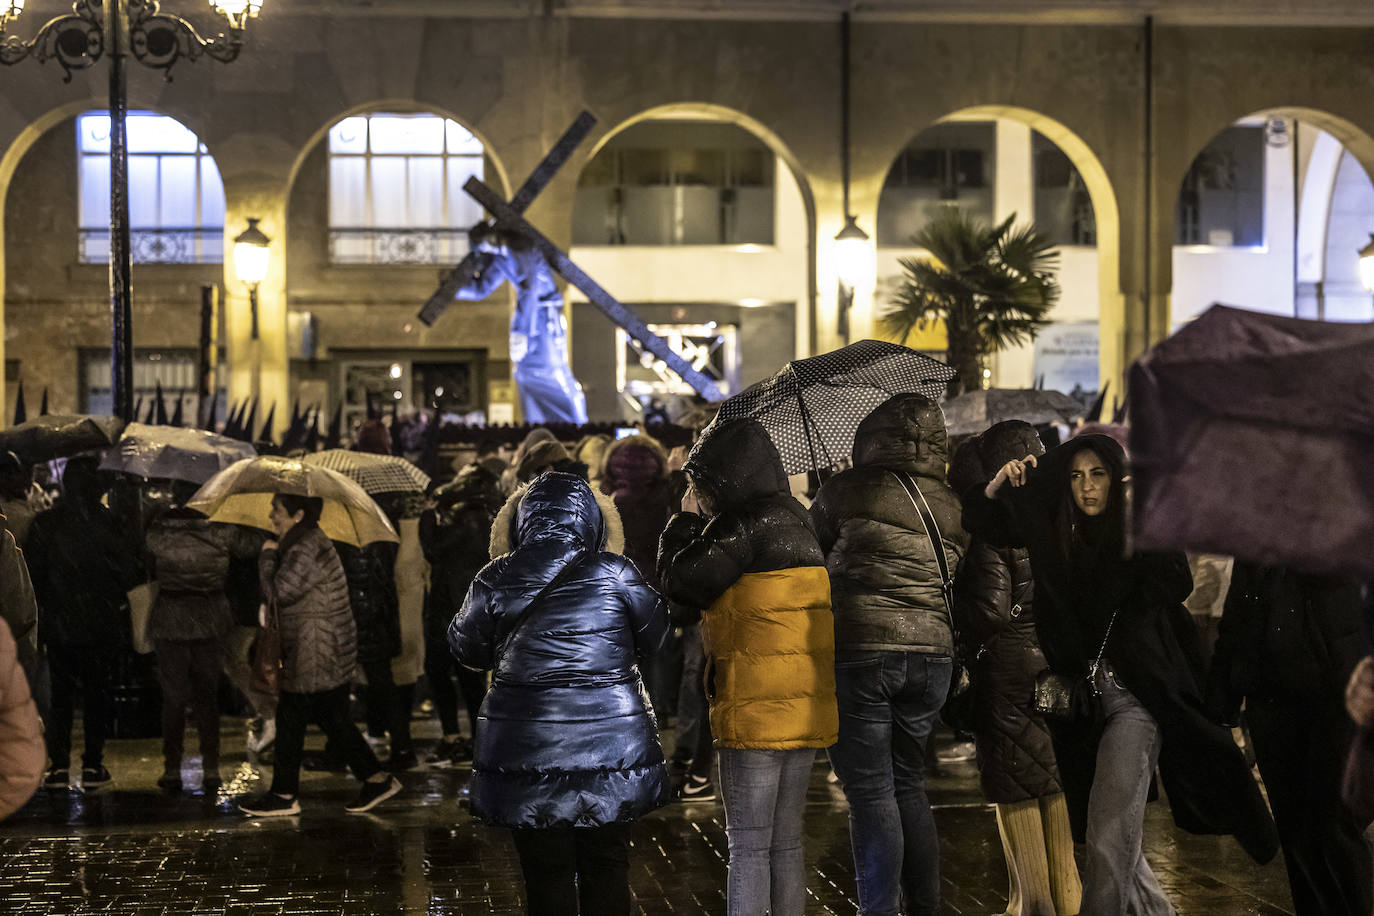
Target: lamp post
851 242
120 28
252 254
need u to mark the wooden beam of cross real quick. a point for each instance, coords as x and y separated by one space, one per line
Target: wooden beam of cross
507 217
543 173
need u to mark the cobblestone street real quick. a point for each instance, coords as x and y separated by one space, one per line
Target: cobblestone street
132 850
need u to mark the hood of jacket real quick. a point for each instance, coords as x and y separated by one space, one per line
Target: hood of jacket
556 506
904 433
633 463
737 462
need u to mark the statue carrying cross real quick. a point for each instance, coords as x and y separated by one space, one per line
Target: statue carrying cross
510 249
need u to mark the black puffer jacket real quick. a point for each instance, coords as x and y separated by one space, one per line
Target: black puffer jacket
997 627
188 557
885 584
565 735
454 535
371 573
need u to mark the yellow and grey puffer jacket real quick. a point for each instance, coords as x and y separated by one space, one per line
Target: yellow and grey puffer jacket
758 573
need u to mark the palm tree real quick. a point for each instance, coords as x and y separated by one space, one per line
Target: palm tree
992 285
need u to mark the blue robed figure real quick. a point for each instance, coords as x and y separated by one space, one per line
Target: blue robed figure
538 332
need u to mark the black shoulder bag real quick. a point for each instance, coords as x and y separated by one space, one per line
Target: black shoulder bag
1072 699
562 576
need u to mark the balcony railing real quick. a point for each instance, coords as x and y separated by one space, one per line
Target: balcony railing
158 246
397 246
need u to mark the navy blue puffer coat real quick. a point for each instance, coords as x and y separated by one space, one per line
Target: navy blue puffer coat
565 737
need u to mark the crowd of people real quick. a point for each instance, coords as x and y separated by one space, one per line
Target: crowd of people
575 597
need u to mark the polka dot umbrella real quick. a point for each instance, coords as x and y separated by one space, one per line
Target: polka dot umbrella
812 407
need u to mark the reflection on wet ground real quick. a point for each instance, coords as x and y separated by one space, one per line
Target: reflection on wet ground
133 850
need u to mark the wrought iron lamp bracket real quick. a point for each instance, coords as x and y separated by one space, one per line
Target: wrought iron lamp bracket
159 40
76 40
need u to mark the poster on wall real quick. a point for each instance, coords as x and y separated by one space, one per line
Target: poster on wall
1066 359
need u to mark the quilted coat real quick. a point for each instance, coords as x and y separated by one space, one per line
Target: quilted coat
189 559
372 595
565 735
759 573
1081 577
319 638
22 753
885 585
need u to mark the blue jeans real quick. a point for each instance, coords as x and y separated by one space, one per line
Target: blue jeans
765 796
1116 877
888 704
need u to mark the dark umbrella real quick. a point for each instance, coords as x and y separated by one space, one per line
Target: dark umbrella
20 412
977 410
60 436
1251 436
812 407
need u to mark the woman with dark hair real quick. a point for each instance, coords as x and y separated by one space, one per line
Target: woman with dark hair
302 576
1113 624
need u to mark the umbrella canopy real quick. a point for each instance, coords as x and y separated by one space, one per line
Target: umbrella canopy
60 436
376 474
1251 436
173 452
242 495
975 411
812 407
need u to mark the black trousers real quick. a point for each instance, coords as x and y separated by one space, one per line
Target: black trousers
576 870
92 669
1301 750
388 705
188 671
442 669
328 710
693 752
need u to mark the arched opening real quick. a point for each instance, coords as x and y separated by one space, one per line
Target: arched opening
993 162
374 212
56 249
699 219
1271 215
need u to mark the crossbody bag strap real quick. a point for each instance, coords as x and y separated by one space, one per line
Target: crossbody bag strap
918 500
561 576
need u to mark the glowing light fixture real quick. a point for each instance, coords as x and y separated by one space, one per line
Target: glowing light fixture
252 254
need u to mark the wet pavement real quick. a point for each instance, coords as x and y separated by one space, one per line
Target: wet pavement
134 850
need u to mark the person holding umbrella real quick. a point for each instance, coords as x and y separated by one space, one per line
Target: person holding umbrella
302 577
744 549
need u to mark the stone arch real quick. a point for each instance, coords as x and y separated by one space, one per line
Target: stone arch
1314 198
724 114
26 138
1111 300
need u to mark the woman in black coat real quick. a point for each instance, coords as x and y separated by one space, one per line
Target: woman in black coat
1287 646
1118 620
1016 765
567 752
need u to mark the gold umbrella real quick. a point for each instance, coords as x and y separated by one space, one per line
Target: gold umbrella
241 494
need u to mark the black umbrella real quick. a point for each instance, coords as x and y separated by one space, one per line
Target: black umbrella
60 436
975 411
812 407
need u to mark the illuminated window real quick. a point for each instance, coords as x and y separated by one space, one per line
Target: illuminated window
1221 201
176 197
396 189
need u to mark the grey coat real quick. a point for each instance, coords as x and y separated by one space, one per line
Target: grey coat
189 559
319 639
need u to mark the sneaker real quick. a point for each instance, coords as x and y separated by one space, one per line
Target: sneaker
442 757
957 752
95 779
373 794
270 804
57 778
698 789
264 738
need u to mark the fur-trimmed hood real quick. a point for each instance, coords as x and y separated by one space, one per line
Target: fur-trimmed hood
563 502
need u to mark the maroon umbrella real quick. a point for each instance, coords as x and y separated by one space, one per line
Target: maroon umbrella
1253 435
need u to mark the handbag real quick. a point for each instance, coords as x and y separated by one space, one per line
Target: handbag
1065 698
265 676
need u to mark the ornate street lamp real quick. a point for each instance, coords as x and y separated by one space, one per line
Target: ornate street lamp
117 29
252 254
851 242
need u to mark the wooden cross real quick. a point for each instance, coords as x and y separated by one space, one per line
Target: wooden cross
508 216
